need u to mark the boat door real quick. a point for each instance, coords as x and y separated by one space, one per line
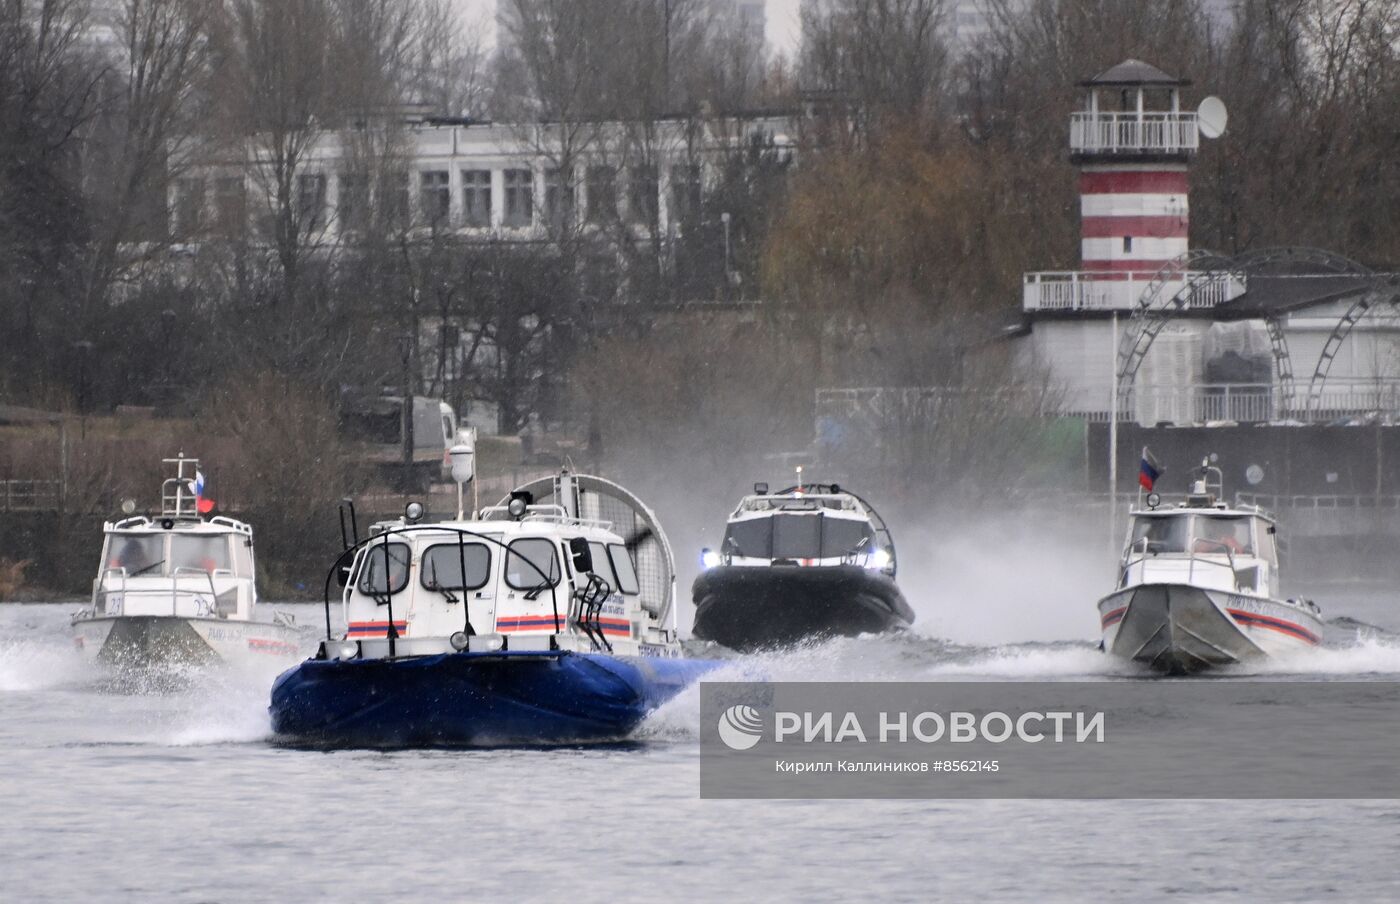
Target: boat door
453 569
534 598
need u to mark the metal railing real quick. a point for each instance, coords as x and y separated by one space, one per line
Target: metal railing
1340 399
1133 133
1108 290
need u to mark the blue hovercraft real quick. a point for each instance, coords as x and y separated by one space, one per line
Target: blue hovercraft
548 619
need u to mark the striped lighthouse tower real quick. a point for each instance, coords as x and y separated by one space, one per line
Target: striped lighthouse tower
1133 145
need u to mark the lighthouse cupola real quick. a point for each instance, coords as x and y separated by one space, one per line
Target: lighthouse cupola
1133 144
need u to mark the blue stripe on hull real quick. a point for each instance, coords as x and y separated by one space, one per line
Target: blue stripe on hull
474 699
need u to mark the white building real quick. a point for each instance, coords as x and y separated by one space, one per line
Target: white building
485 180
1275 335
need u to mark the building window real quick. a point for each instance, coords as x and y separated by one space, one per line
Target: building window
520 198
435 196
394 201
642 194
231 205
558 198
352 202
189 207
685 192
1127 244
476 197
602 194
311 200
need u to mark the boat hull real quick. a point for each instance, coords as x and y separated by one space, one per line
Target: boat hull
1181 629
173 642
474 699
749 608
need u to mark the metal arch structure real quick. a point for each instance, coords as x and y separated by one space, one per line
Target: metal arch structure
1383 290
1152 313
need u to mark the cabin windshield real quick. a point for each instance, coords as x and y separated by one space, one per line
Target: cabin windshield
1157 534
385 568
199 552
622 564
791 536
1200 533
137 553
448 566
1224 534
531 564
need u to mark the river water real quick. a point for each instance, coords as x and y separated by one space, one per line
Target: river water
116 795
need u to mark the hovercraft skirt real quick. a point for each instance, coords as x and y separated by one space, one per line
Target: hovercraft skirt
474 699
749 608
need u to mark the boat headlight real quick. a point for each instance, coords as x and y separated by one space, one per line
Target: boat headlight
880 558
345 649
413 512
487 643
459 641
516 507
709 558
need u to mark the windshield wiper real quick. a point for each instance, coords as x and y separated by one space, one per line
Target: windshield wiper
446 594
147 568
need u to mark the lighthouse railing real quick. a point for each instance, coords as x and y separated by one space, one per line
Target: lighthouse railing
1096 132
1121 290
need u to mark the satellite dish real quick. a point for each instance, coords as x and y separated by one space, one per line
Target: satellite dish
1211 117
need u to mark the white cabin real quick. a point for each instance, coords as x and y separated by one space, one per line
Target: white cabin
1210 545
179 563
805 529
517 577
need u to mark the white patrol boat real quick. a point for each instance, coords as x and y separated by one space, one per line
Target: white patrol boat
813 560
1199 586
179 590
547 619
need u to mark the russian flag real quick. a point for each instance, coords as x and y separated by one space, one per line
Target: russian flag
1148 471
202 505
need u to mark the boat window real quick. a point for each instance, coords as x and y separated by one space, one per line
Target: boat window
243 557
1161 534
1219 534
137 553
600 563
201 553
845 536
752 539
796 536
442 567
385 568
622 564
531 564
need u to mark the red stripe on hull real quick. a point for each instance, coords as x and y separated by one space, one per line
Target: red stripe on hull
1254 620
1138 227
1133 182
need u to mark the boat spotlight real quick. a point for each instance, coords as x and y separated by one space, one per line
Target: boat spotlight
413 512
346 649
128 506
880 558
1153 500
517 506
709 558
459 641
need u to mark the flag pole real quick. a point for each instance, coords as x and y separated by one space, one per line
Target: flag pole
1113 443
